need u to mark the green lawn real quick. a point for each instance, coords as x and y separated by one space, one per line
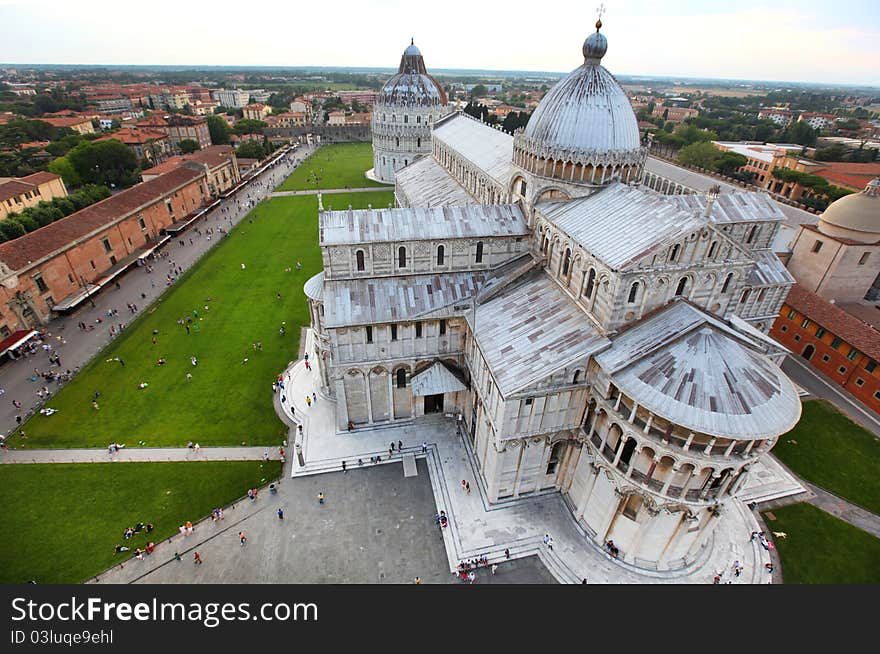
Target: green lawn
821 549
828 449
62 521
339 165
227 402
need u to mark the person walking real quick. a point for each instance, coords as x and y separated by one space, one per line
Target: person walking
506 553
242 537
197 558
343 467
417 581
281 514
424 447
494 568
400 446
320 498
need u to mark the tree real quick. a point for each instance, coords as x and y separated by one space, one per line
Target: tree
250 150
701 155
801 133
110 163
188 146
219 130
249 126
62 166
479 91
11 228
729 162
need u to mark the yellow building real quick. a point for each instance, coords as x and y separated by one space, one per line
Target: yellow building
256 111
17 193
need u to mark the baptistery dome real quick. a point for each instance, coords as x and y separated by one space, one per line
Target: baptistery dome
855 216
407 105
584 130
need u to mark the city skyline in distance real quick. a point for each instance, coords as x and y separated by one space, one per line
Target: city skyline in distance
796 42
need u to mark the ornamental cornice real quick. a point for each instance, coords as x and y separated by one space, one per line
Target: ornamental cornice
594 158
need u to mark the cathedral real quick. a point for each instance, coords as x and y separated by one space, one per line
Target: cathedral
588 334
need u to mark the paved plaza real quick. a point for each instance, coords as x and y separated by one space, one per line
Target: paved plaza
375 526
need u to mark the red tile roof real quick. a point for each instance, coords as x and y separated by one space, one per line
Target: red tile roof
19 253
12 188
852 175
854 331
134 136
213 156
40 177
64 122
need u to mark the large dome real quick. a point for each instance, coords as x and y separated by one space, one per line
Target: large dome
855 216
412 86
587 111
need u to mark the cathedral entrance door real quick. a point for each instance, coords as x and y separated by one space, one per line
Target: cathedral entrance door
434 403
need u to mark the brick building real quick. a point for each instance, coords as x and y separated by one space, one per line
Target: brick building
179 127
834 341
17 193
150 144
218 162
57 267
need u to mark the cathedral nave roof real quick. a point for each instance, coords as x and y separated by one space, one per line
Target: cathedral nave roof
426 183
487 148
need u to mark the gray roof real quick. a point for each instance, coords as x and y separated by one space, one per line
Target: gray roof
769 270
701 183
420 224
489 149
620 224
425 183
734 207
704 378
435 380
369 301
531 330
314 287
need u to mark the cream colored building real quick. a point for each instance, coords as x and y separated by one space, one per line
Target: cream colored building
591 336
17 193
839 259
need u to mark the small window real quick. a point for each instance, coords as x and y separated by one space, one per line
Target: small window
369 334
784 328
401 257
682 287
170 208
805 323
555 455
745 296
142 223
817 246
853 353
860 382
797 337
442 327
566 262
418 330
836 343
591 281
106 243
712 248
633 292
393 332
864 258
726 286
529 401
71 279
673 254
820 332
401 378
359 256
93 265
842 370
826 358
877 395
577 375
753 232
871 365
441 251
791 314
479 257
41 285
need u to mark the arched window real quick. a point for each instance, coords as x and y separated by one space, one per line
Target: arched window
397 139
401 257
566 262
753 232
418 142
405 118
633 291
479 258
591 282
577 375
401 378
682 286
522 187
441 251
745 296
673 254
555 455
726 285
359 255
418 119
545 245
712 248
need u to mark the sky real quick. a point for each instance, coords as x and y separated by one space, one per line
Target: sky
784 40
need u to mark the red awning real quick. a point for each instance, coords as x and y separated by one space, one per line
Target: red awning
15 339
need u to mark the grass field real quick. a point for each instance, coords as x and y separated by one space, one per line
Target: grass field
821 549
339 165
828 449
62 521
227 402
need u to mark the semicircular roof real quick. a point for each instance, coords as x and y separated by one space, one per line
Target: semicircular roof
708 382
314 287
587 111
859 212
412 85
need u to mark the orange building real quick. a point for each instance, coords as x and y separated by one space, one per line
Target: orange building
57 267
835 342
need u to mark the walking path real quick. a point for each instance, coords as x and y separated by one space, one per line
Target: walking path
840 508
478 528
76 347
331 191
139 454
